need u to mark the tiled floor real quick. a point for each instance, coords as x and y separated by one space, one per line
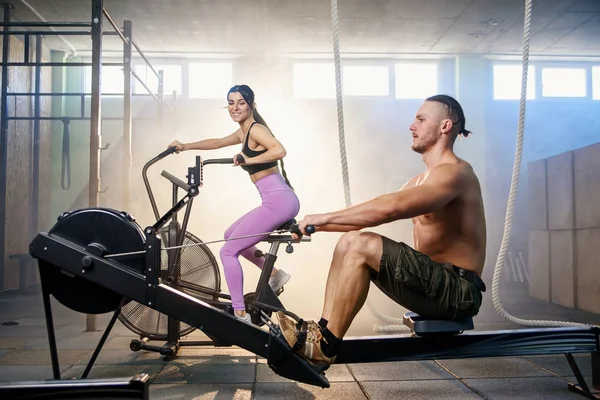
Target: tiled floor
234 373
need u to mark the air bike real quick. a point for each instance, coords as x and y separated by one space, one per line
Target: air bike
97 260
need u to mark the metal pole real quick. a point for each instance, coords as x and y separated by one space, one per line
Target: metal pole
35 182
4 142
127 32
95 116
161 97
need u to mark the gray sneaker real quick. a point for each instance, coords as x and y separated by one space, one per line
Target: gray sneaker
246 318
276 282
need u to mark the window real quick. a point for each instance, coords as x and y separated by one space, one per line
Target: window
507 82
111 79
366 80
596 83
171 79
416 80
314 80
563 82
210 80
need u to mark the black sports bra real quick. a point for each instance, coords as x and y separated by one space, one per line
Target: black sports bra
254 168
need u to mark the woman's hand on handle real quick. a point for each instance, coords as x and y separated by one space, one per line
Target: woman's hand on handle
179 147
239 159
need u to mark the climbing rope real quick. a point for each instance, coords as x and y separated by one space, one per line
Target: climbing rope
340 103
513 190
341 134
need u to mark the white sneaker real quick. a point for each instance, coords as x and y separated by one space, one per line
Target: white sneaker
276 282
245 318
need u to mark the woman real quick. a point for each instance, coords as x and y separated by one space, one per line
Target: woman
261 152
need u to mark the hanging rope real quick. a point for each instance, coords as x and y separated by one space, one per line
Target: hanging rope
342 138
340 103
513 189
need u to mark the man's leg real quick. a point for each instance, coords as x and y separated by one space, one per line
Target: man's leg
356 256
349 279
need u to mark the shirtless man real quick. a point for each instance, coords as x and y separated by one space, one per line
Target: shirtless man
440 277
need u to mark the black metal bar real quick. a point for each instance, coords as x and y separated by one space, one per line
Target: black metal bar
49 33
114 25
113 319
144 57
26 41
577 372
596 370
50 329
4 141
161 96
47 24
76 118
505 343
69 94
95 119
127 161
35 162
56 64
136 76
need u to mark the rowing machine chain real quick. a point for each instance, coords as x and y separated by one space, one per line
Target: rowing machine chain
131 253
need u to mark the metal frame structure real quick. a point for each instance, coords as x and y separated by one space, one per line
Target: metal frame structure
94 29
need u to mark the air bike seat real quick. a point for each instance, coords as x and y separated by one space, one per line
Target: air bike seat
422 326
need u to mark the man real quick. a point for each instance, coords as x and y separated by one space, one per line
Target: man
440 277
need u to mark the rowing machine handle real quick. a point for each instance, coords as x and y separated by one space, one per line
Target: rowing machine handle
310 229
240 159
166 152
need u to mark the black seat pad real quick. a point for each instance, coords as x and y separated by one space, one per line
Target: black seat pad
287 224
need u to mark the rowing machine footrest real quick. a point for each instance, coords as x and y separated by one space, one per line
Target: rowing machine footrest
290 365
423 326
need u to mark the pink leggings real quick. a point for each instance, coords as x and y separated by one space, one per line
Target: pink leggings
279 205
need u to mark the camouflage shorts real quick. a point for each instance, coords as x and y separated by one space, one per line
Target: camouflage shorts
424 286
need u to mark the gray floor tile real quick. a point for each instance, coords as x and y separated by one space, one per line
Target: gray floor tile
176 372
22 331
11 342
112 357
12 373
294 391
388 371
42 357
82 340
546 388
559 365
493 368
413 390
112 371
228 391
335 373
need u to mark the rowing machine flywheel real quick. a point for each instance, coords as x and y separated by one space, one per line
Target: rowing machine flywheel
101 231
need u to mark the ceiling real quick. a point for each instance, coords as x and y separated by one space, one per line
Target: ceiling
559 27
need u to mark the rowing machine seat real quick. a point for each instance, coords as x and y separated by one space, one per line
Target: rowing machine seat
286 225
421 326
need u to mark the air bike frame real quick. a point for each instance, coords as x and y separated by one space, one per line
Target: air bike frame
52 251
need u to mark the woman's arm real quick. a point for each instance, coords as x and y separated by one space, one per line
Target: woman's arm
275 150
212 144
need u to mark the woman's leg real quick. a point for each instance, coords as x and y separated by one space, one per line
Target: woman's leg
277 208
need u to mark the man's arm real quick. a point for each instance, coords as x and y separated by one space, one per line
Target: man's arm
443 184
